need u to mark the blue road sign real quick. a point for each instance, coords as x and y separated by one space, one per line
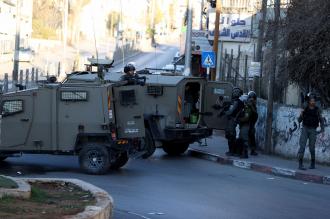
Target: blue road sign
208 59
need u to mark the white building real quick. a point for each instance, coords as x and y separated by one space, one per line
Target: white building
8 16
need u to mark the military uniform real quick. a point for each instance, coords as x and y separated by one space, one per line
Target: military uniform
230 131
131 80
311 118
252 129
245 119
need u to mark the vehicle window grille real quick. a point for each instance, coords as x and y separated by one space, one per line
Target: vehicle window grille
74 95
127 97
10 107
155 90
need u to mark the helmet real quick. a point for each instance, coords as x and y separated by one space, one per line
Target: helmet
311 95
252 95
129 67
237 92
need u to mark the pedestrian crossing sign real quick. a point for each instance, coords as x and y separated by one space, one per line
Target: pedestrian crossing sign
208 59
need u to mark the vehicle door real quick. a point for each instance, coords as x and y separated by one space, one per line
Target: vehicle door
16 113
216 99
128 110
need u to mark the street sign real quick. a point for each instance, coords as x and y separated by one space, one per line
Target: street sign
208 59
254 69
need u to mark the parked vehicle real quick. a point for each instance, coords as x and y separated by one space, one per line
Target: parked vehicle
178 110
100 122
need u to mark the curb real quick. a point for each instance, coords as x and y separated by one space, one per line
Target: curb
103 208
277 171
23 190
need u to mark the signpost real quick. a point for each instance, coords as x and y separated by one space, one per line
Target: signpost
208 60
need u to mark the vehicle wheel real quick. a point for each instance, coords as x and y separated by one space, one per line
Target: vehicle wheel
94 159
120 161
175 148
149 145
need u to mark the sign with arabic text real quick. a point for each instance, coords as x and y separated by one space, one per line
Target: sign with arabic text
233 27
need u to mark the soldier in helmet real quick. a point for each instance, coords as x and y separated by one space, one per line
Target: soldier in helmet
232 114
244 121
311 119
130 76
252 102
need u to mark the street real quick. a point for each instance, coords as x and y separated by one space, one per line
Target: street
184 187
162 55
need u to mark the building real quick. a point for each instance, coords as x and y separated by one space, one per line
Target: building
8 17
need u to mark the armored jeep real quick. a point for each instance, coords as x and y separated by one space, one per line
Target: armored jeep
178 110
100 122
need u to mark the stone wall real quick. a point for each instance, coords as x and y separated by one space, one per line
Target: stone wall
286 132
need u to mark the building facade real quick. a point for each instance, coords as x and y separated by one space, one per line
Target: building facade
9 13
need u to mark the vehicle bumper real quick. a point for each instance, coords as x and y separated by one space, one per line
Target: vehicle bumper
187 135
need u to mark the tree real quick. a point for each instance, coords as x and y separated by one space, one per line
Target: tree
75 8
47 18
308 34
113 21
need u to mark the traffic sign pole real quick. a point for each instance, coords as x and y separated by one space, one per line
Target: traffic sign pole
208 72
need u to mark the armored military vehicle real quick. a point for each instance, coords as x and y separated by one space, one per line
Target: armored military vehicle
178 110
100 122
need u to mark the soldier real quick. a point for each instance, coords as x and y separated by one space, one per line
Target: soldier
244 120
234 110
252 101
130 76
311 119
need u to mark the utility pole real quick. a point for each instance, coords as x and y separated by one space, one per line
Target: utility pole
187 67
17 42
274 51
261 30
202 14
65 34
216 34
237 65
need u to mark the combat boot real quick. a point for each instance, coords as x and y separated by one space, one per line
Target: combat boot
231 149
312 166
301 166
254 153
245 154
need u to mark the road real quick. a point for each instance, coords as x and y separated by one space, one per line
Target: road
185 187
158 58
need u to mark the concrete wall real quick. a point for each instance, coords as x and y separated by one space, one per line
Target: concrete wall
286 132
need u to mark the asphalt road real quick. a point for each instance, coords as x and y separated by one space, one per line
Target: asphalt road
185 187
157 58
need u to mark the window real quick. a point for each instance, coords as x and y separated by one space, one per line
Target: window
127 97
74 95
155 90
10 107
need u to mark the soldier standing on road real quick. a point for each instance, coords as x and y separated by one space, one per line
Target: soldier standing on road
311 119
244 120
252 101
230 131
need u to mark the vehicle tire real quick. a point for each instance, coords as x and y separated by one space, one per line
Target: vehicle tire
94 159
120 161
175 148
149 145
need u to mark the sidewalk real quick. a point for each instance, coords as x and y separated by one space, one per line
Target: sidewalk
217 146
